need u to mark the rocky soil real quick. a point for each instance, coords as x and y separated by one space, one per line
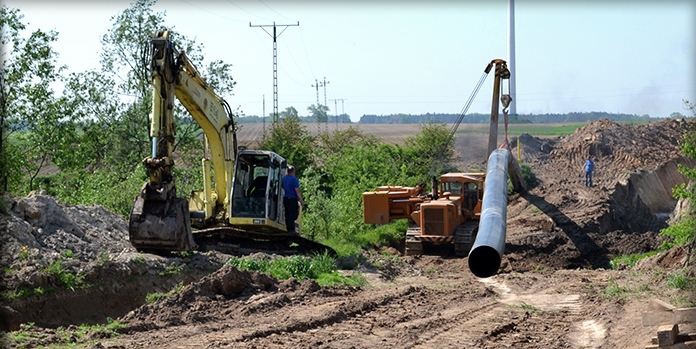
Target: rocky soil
553 289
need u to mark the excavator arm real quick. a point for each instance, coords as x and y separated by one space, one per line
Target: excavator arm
159 219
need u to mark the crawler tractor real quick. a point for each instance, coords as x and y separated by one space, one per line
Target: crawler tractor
448 215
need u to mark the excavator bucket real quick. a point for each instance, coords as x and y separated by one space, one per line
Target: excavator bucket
161 225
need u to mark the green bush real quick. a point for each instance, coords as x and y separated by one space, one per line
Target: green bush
528 176
680 233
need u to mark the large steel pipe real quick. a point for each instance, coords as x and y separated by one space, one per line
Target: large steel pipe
487 253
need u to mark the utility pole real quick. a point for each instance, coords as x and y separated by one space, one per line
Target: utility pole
325 82
317 85
342 109
335 111
275 60
263 117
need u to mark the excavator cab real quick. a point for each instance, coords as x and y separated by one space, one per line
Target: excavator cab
256 194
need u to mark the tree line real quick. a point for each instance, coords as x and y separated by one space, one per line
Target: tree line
478 118
473 118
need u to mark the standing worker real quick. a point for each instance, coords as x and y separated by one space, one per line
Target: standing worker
293 195
588 168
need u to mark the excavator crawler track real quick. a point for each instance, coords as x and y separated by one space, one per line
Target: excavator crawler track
464 237
238 241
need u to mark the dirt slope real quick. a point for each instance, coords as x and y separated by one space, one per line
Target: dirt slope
551 292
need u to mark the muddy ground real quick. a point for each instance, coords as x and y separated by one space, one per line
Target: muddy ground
554 289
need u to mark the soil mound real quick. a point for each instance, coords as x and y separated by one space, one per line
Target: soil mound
216 295
40 230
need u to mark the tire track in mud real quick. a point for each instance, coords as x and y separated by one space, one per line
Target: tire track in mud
562 311
445 328
327 317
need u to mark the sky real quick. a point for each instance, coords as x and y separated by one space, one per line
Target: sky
414 57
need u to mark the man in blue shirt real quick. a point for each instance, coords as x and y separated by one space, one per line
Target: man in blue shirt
293 195
588 168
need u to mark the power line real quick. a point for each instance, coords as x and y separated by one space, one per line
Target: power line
275 59
212 13
264 4
305 51
237 6
293 59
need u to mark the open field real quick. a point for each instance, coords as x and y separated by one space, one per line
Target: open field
395 133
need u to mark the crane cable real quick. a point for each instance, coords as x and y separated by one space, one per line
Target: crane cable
506 99
453 130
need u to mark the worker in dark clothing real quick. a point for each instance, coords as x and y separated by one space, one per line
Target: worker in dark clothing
588 168
291 199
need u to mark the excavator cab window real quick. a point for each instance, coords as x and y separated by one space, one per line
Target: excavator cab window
251 186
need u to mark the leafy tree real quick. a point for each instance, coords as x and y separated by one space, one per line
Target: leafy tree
10 28
28 101
430 151
289 112
291 140
320 112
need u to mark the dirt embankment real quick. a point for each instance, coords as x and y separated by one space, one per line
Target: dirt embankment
552 290
67 264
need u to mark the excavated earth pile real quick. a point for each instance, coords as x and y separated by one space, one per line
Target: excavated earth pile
66 264
561 223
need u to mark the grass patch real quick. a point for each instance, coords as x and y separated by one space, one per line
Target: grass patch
629 260
320 267
172 269
532 129
680 280
154 297
24 292
615 291
68 254
382 235
528 307
77 337
67 279
527 175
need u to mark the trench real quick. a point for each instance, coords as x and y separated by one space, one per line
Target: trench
642 200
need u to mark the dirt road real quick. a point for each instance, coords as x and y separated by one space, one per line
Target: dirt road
437 305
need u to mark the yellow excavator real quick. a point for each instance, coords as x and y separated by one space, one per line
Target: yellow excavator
242 211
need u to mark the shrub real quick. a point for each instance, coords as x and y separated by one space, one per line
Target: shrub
680 233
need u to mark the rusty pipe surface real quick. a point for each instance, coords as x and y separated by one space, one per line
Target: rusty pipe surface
487 253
